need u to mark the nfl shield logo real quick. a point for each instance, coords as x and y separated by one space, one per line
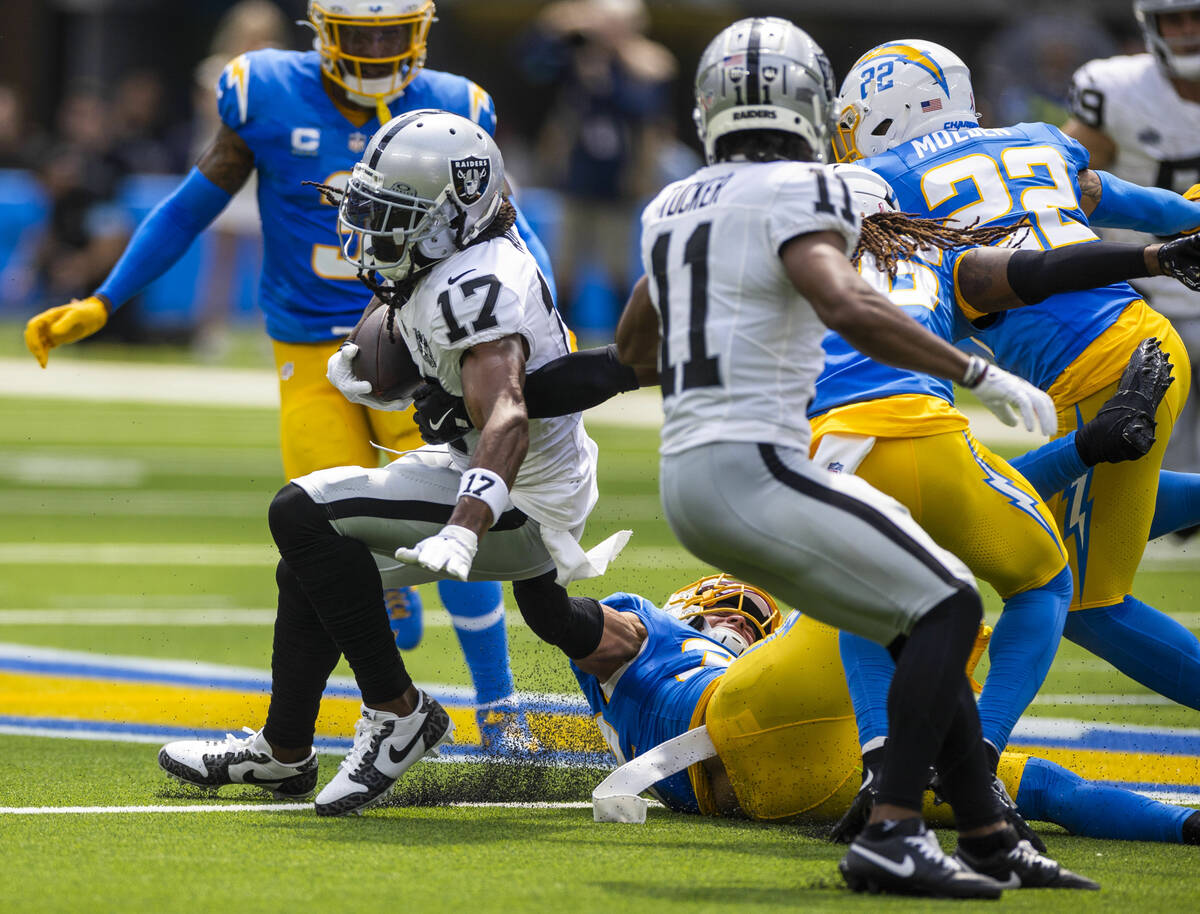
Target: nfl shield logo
471 177
357 142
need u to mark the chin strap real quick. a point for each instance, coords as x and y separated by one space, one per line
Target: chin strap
617 800
381 110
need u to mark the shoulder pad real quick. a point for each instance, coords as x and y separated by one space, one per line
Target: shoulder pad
233 91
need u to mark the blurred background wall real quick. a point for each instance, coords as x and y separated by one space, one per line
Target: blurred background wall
103 103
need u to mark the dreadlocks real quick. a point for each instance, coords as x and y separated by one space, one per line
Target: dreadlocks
892 237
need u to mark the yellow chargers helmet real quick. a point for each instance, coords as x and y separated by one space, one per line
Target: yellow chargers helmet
719 593
371 48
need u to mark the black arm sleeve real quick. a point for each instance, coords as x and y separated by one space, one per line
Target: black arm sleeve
577 381
1036 275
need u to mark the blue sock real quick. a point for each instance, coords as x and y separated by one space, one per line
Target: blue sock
1051 467
477 611
1178 504
1023 645
405 616
1051 793
1144 644
869 668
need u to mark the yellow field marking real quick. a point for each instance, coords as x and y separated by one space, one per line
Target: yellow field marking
1126 767
89 699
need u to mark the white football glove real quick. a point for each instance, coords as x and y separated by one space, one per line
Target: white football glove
448 552
1008 397
340 371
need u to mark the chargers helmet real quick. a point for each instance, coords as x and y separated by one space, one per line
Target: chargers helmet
1185 66
719 593
429 181
897 92
371 48
871 193
763 74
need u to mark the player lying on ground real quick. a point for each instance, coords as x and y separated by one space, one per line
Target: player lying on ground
934 156
772 697
290 117
424 210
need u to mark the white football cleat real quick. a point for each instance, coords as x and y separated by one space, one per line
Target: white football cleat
385 746
238 760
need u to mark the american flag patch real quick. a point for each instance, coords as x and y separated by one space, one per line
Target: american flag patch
934 104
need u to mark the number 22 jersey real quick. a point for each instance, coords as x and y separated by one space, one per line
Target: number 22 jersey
741 347
999 177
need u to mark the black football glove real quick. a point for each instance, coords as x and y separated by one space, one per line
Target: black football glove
441 417
1124 427
1180 259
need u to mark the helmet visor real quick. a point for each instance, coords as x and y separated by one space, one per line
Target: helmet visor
380 225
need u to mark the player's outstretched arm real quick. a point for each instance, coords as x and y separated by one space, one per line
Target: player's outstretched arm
996 279
1111 202
161 239
569 384
493 376
623 637
991 279
870 323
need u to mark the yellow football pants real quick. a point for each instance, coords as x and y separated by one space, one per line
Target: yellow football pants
319 428
973 504
783 725
1105 516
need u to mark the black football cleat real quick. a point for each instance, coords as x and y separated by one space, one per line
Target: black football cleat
238 760
1022 867
912 864
1014 818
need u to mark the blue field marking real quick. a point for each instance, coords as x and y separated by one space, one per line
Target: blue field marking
1064 733
76 664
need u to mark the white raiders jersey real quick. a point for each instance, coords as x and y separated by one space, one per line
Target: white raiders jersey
488 291
1157 135
741 348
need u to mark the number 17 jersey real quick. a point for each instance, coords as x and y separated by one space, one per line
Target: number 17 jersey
741 347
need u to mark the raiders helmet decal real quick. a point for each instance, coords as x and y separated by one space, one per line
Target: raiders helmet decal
470 178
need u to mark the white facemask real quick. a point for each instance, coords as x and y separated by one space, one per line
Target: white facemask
727 636
1185 66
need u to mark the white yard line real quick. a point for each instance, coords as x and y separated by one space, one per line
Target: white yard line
202 618
242 555
248 807
71 378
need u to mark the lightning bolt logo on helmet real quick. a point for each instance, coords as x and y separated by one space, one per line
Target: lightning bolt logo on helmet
899 91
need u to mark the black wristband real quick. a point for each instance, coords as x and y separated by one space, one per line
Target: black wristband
577 381
1036 275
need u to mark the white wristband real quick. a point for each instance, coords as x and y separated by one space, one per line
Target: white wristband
488 487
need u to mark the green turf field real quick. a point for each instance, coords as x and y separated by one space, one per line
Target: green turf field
107 507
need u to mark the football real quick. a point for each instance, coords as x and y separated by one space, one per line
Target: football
384 359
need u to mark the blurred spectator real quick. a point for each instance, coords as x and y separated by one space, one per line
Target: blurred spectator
602 137
246 26
20 141
1027 66
84 235
145 142
83 123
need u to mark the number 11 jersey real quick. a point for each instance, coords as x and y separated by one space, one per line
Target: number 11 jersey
741 348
